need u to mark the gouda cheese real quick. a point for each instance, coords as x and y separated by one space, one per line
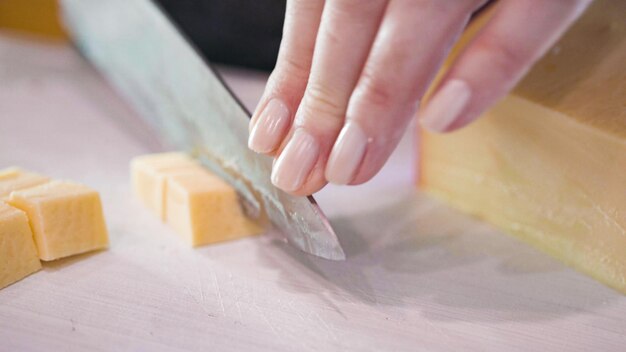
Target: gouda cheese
66 218
149 174
204 209
18 256
548 163
13 179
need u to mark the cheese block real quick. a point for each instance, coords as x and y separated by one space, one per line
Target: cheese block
14 178
548 162
149 174
66 218
204 209
40 17
18 256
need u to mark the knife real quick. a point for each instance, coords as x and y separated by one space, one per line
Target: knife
146 58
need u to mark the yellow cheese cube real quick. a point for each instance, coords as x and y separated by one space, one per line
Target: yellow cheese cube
18 256
149 174
40 17
66 218
548 163
13 179
204 209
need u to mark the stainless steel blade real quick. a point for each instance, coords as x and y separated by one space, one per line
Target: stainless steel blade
146 58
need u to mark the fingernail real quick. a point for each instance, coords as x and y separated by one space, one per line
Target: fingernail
296 161
446 106
270 127
346 155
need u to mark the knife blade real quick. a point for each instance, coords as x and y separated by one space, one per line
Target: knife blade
146 58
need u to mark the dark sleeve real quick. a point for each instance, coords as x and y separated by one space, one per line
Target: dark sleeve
238 32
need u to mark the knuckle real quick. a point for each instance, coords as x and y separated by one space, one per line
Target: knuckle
436 6
507 58
351 7
333 35
303 6
377 90
295 68
321 100
445 9
346 14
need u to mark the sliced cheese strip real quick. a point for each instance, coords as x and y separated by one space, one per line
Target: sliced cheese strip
66 218
149 173
14 178
18 255
204 209
548 163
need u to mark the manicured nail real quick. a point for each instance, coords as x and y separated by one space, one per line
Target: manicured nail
295 163
446 106
346 155
270 127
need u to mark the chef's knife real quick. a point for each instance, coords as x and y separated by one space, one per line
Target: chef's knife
146 58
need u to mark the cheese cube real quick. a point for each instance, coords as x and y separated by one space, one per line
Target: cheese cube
204 209
548 163
13 179
18 256
66 218
149 174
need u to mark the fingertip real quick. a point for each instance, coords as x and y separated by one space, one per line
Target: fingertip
443 112
347 154
270 128
295 163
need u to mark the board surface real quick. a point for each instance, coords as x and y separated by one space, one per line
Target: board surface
419 276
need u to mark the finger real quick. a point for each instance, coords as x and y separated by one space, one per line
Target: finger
413 40
273 116
346 33
519 33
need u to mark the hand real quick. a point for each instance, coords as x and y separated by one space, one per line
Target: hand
350 75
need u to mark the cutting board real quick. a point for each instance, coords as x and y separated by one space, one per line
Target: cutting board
419 276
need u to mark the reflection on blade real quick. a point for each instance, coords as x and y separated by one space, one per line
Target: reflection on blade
150 63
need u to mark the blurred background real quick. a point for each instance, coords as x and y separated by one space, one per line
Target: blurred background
236 32
243 33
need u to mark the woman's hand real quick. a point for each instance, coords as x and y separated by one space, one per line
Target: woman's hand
350 75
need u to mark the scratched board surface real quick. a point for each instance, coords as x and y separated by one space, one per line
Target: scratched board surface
419 276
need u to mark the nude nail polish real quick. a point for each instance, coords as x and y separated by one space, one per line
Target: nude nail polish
446 106
296 161
347 154
270 127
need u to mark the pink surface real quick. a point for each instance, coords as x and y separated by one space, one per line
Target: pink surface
419 276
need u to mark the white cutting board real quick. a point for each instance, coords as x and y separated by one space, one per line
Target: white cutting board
419 276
